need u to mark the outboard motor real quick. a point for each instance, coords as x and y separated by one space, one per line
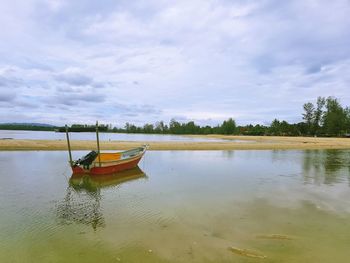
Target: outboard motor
87 159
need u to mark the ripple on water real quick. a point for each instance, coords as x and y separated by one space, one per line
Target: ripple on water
193 207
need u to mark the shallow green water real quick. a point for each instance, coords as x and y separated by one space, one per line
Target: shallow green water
270 206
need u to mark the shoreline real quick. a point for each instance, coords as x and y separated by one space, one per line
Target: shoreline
253 143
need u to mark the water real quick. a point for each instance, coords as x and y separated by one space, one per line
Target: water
50 135
182 206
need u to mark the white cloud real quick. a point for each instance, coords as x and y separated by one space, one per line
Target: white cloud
201 60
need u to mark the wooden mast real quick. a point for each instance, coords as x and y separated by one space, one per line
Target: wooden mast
98 145
69 150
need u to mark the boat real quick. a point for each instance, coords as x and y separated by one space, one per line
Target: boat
108 163
97 163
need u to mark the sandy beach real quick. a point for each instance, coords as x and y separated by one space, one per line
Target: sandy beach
229 143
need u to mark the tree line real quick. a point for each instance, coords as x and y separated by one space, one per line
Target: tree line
26 127
325 117
175 127
85 128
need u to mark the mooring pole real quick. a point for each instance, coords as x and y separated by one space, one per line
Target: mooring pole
69 150
98 145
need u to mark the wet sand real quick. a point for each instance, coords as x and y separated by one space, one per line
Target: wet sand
229 143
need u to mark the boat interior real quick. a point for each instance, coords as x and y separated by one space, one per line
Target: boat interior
94 157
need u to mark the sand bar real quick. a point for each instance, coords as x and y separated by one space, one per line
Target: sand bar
252 143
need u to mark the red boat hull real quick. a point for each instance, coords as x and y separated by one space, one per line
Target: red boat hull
107 169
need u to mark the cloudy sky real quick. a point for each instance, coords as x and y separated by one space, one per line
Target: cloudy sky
64 61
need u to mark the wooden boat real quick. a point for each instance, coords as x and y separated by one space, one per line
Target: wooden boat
108 163
97 163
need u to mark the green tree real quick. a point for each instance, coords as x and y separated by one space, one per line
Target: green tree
190 128
347 121
318 116
148 128
309 115
174 127
206 130
130 128
160 127
334 118
275 127
228 127
284 128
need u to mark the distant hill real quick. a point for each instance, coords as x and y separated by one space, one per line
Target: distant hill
33 126
27 126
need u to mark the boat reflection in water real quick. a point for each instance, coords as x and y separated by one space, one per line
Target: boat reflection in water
95 183
82 201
